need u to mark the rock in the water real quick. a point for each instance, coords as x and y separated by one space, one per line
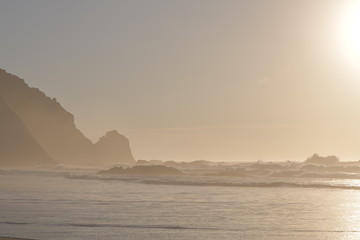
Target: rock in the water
114 148
143 170
316 159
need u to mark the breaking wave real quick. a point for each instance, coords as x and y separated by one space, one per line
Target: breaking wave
14 223
176 227
253 184
200 181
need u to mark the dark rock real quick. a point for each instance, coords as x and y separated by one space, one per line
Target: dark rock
114 148
143 170
316 159
53 128
48 122
17 147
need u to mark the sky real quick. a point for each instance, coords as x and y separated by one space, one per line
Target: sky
241 80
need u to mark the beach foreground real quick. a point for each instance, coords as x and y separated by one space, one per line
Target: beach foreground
84 205
10 238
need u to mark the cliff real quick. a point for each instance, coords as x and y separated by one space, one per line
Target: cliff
53 128
17 146
50 124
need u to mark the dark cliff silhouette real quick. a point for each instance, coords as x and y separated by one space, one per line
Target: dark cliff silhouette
17 146
51 125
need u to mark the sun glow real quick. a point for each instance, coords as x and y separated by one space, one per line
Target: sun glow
349 37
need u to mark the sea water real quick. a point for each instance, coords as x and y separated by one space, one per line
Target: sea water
62 205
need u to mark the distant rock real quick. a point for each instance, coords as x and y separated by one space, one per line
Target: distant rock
316 159
114 148
143 170
17 147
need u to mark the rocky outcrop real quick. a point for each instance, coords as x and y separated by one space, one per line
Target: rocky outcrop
53 128
49 123
17 147
316 159
114 148
143 170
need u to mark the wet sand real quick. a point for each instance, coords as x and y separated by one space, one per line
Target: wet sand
9 238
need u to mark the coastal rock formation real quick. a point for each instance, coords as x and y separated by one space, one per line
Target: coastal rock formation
114 148
53 128
143 170
17 146
49 123
316 159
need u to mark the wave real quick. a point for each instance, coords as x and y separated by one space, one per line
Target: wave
102 177
173 227
201 181
252 184
14 223
177 227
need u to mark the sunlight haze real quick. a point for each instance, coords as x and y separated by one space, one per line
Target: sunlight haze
185 80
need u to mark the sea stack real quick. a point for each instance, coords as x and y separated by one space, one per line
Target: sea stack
113 148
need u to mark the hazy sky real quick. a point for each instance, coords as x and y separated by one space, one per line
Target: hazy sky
197 79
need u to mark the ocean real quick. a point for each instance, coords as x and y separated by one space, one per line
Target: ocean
81 205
